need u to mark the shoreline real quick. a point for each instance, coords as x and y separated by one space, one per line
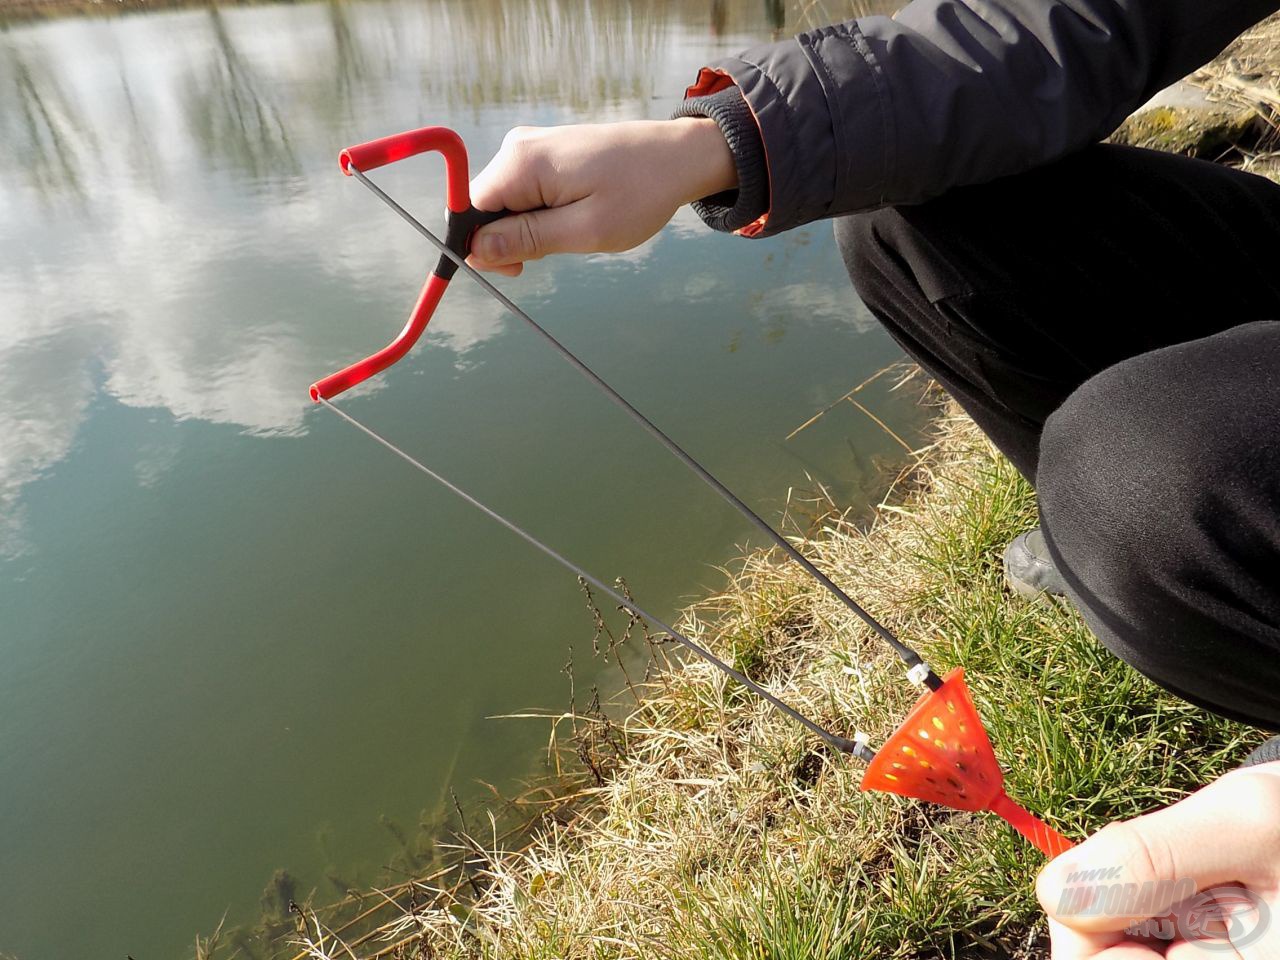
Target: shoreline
717 830
24 12
701 824
707 826
686 819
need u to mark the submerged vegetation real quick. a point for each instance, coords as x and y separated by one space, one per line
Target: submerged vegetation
705 825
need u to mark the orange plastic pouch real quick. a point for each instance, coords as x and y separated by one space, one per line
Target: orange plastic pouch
942 754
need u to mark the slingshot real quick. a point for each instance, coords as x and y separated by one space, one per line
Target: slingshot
940 754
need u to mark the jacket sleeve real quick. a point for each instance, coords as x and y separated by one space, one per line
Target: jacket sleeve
882 110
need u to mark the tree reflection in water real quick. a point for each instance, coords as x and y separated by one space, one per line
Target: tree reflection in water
41 128
230 114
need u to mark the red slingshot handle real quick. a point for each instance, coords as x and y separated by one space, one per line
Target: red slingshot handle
348 377
1046 839
378 153
462 223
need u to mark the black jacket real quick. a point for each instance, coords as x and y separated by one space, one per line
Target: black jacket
884 110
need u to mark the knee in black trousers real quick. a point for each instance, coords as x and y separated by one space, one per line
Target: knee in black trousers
1159 489
1013 293
1087 316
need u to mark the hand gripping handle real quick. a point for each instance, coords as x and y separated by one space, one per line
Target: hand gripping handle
463 220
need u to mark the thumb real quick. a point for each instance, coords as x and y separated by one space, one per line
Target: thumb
1120 875
531 236
1140 869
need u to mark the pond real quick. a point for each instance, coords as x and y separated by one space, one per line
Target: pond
238 637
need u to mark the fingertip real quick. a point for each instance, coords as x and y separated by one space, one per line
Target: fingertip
482 191
1052 884
504 269
1053 873
490 246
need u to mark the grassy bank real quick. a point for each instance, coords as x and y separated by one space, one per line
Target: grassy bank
718 829
704 826
693 822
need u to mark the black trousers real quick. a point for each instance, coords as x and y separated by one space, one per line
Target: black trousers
1112 321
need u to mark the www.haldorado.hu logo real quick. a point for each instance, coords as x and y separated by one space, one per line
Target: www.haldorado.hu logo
1223 918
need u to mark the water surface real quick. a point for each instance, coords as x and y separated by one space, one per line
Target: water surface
237 637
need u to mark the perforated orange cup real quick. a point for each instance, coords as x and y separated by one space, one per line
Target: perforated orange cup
942 754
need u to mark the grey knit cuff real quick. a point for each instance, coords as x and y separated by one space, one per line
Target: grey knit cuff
733 209
1269 752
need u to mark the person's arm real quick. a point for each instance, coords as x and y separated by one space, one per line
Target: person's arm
879 111
602 187
853 116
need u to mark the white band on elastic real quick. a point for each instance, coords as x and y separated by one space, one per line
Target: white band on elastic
919 674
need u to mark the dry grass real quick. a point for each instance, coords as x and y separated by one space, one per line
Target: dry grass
1247 73
1247 76
722 831
706 826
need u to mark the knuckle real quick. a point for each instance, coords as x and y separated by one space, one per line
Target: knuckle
530 238
1146 852
519 138
514 147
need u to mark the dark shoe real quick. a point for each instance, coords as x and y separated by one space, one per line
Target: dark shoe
1029 569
